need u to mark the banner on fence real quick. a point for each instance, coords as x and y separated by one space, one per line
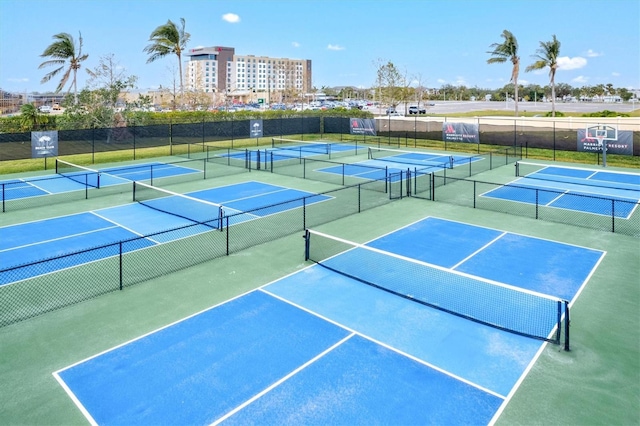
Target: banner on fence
622 146
362 126
460 132
44 144
255 129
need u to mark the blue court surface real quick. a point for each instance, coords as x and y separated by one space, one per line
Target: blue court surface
284 153
597 192
318 347
391 166
76 181
35 241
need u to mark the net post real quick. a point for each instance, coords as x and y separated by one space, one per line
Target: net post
566 325
307 238
221 219
57 166
517 165
432 181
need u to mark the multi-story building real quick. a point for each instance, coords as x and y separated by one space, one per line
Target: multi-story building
247 78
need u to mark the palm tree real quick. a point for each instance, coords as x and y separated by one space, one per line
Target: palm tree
64 51
30 118
167 39
507 50
547 56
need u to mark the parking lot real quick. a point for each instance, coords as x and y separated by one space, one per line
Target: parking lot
450 107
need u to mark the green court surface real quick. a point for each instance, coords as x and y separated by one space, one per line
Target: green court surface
597 382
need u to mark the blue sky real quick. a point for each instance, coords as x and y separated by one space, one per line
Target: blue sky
435 42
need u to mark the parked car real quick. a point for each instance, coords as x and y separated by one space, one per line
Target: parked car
415 110
44 109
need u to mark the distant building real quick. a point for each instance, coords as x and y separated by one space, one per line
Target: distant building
247 78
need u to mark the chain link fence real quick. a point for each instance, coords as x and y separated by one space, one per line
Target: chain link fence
32 289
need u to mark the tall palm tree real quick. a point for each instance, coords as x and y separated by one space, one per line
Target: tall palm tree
168 39
547 56
507 50
63 51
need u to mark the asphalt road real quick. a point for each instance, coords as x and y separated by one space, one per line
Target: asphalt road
444 107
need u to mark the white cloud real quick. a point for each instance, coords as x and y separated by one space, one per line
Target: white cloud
523 82
441 81
615 74
592 54
567 63
460 81
335 47
581 79
231 18
295 44
18 80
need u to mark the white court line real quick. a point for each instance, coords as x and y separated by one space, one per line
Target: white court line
58 239
282 380
421 361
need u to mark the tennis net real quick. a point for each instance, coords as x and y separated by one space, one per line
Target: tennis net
411 157
301 146
84 175
192 209
497 305
578 176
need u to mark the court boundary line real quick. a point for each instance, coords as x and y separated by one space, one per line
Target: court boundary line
59 238
561 166
371 339
562 193
283 379
480 249
487 227
543 347
517 182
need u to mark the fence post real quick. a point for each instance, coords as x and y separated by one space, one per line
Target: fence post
134 141
567 321
170 138
120 249
304 213
554 140
613 215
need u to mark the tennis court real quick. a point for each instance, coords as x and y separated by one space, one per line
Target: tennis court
71 178
605 193
334 342
154 212
285 149
391 164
